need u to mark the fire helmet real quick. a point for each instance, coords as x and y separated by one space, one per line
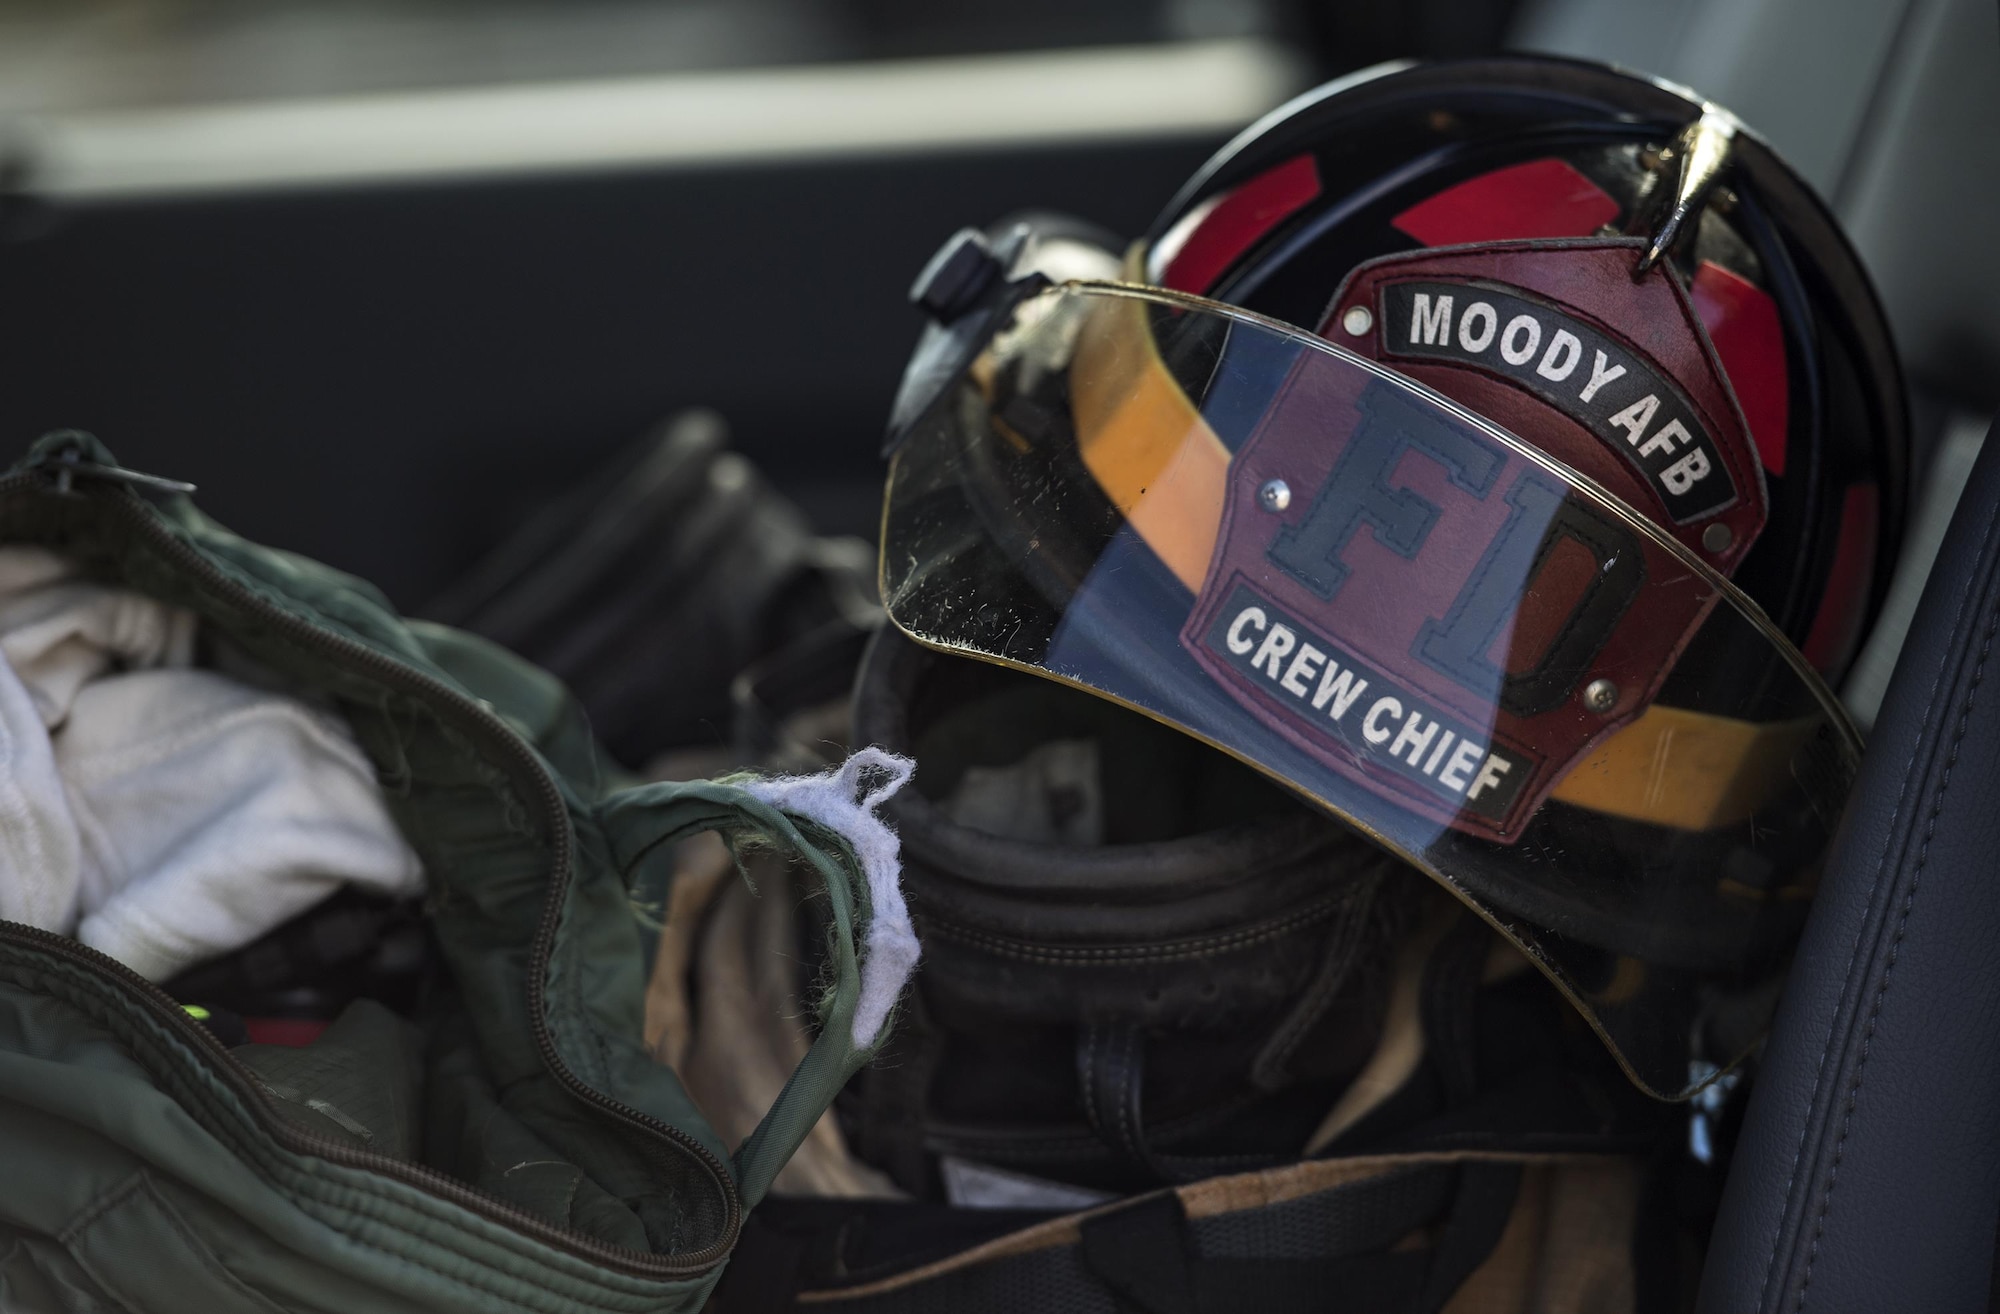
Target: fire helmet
1502 455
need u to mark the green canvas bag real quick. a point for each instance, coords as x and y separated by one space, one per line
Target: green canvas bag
514 1146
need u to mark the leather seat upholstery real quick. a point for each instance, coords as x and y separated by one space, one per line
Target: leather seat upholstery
1868 1173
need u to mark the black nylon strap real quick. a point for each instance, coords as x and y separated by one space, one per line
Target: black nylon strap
1141 1254
1486 1196
1147 1258
763 1271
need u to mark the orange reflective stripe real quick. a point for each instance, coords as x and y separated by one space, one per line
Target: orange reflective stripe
1144 441
1160 463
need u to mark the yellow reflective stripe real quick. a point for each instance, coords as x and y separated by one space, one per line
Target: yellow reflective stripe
1691 770
1161 464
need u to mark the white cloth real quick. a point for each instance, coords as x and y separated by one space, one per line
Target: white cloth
59 632
163 814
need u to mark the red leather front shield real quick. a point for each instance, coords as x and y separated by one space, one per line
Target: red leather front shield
1425 610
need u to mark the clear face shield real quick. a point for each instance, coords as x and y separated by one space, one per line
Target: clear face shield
1464 650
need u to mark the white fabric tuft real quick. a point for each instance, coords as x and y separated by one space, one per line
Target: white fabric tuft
836 799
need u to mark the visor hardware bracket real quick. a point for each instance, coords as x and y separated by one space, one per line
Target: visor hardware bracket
1717 537
1357 321
965 291
1275 495
1600 695
954 279
1700 155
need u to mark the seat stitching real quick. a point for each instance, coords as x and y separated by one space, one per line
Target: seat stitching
1895 951
1854 950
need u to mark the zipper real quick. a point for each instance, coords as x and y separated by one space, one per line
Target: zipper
66 470
70 462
